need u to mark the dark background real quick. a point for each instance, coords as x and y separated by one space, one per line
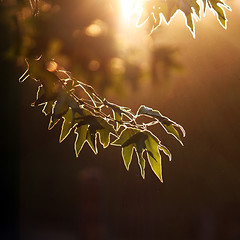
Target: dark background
49 194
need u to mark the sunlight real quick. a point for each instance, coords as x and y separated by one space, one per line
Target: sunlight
130 7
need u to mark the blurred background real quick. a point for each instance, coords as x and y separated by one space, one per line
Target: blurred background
47 193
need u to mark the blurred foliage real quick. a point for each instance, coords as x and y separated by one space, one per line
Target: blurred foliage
85 37
163 60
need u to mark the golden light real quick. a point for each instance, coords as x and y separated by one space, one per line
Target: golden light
96 28
51 66
130 7
117 66
93 30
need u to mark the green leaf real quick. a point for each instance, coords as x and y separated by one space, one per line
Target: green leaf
41 96
78 114
81 138
60 108
53 121
153 155
166 151
60 101
118 112
66 126
44 95
95 125
138 138
91 140
141 140
127 153
125 135
141 162
167 124
127 149
47 109
118 117
104 133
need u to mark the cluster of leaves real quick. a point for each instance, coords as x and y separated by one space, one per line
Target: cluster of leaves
63 101
154 10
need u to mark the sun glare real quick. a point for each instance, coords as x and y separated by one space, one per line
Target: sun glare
130 7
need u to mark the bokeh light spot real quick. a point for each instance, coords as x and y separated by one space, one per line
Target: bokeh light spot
96 29
94 65
51 66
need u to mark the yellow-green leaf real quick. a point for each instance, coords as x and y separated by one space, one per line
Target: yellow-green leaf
141 162
66 126
127 153
60 108
104 133
141 140
167 124
91 140
47 109
170 129
166 151
81 132
127 150
153 155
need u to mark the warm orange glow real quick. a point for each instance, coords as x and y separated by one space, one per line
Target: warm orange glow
94 65
96 28
93 30
51 66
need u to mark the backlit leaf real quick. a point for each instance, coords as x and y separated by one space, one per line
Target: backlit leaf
47 109
86 117
141 162
81 132
66 126
127 149
153 10
216 6
60 108
118 112
95 125
141 140
125 135
127 153
166 123
118 117
153 155
91 140
104 134
166 151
